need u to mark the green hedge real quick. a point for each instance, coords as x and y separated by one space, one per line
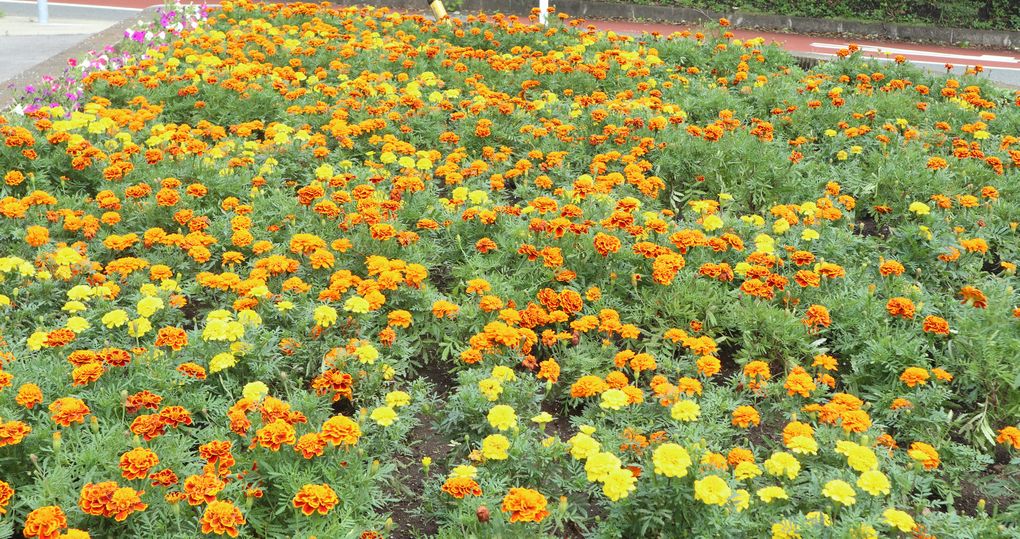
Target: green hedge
983 14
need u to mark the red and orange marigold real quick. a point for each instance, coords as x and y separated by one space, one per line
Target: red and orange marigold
315 498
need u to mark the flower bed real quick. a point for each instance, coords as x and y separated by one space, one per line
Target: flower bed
350 273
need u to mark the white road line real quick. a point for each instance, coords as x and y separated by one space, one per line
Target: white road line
986 68
63 4
915 52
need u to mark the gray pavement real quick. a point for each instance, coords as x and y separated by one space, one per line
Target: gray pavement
24 43
19 53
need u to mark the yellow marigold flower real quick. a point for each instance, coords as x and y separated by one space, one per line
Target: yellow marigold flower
583 446
80 292
803 445
685 410
542 418
711 222
464 471
494 447
284 306
139 327
782 463
919 208
73 307
671 460
502 417
600 465
741 499
840 491
874 482
366 353
491 388
148 306
325 316
77 324
772 493
613 399
221 361
357 304
901 520
619 484
396 399
503 373
384 415
746 470
255 391
36 340
712 490
785 529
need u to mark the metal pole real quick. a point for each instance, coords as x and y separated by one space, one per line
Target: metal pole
543 8
44 11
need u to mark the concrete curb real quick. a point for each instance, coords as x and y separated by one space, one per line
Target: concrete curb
56 64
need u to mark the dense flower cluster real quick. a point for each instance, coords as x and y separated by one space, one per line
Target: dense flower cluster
600 284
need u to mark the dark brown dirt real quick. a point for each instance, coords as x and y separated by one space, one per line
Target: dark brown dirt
410 484
997 487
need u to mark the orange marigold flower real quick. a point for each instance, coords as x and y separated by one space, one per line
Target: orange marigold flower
799 382
942 375
45 522
173 337
588 386
315 498
203 488
310 445
606 244
913 376
136 463
855 421
925 454
890 267
709 366
817 316
86 374
525 505
745 416
67 410
459 487
13 432
29 395
340 430
900 403
900 307
1007 436
549 370
973 296
192 370
222 517
163 478
6 493
148 426
175 416
275 434
443 309
935 325
122 502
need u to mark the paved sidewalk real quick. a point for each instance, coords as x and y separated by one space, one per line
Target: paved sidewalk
24 42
